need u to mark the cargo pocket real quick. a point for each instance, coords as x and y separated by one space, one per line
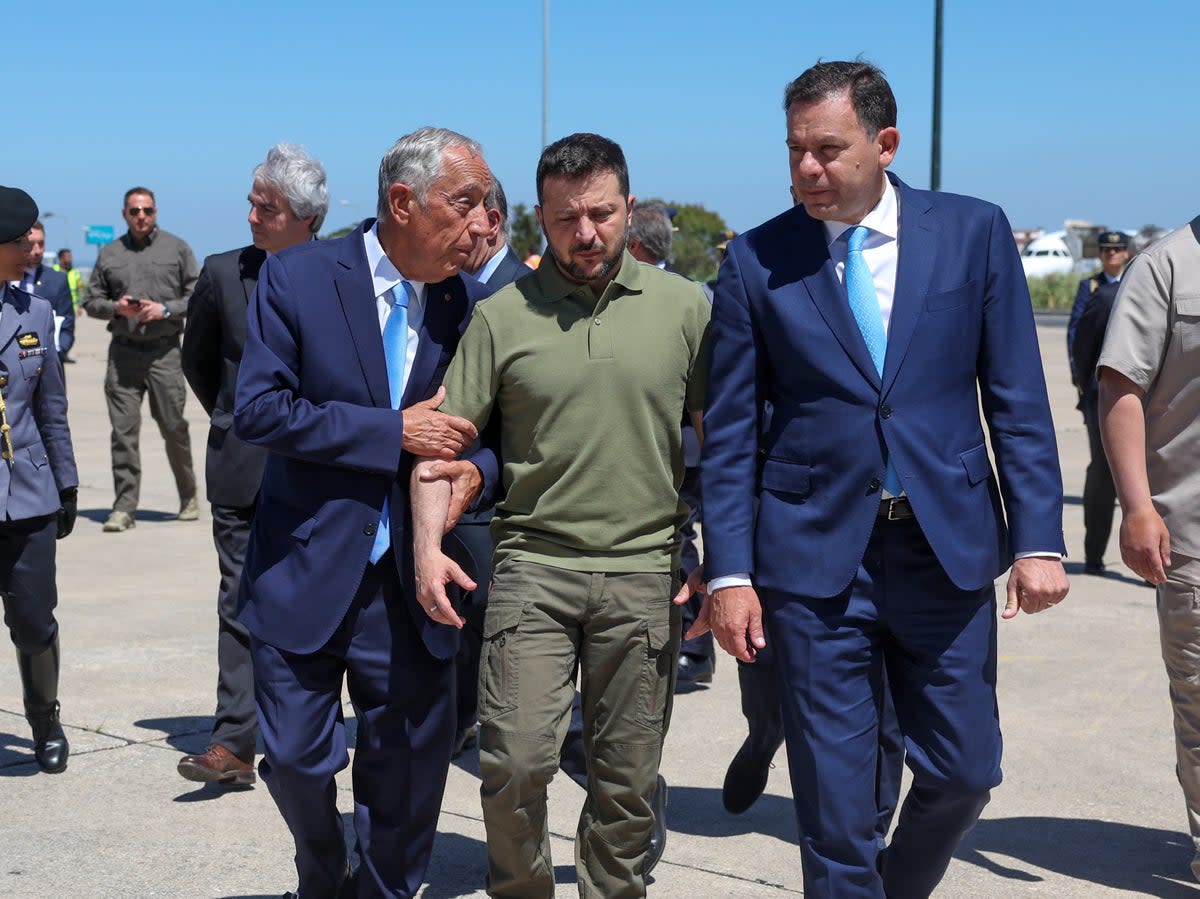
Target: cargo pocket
499 659
658 666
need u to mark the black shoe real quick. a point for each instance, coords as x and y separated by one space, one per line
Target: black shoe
463 740
693 670
747 777
658 833
1095 567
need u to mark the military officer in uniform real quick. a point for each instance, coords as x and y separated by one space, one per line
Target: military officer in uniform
38 482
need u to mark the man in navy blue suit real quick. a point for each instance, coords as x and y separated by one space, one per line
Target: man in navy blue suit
327 588
865 519
43 281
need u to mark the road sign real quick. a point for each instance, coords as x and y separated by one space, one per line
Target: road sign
100 234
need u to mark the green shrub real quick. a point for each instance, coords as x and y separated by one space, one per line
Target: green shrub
1054 291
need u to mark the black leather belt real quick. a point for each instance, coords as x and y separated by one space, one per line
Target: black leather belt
898 508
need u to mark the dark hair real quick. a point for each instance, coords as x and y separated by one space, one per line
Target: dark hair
37 226
871 95
580 155
137 190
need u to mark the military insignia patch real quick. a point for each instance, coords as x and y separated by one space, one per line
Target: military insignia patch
28 340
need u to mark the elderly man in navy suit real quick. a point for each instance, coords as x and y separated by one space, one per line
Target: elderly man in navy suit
288 201
346 345
38 481
865 518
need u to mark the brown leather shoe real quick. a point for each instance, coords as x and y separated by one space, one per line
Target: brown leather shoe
216 765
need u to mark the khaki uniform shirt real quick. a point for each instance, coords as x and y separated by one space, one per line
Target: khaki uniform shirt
1153 339
163 270
590 393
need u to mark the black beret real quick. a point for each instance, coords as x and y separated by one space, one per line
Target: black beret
18 212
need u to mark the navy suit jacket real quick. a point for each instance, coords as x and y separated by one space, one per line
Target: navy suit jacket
508 270
313 389
53 287
794 500
214 337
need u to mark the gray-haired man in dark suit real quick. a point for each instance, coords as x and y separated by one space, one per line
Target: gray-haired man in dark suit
288 201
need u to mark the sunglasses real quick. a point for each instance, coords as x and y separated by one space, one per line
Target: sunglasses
140 210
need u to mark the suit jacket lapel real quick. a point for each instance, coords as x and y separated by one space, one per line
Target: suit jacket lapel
829 296
356 293
443 311
914 268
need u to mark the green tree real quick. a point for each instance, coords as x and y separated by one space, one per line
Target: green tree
526 233
697 233
340 232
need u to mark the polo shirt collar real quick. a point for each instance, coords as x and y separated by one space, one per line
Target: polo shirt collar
556 286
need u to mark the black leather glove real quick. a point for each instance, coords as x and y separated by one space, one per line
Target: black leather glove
67 511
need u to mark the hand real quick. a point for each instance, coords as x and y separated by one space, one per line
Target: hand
465 483
126 307
1146 544
734 615
692 586
151 311
69 498
428 432
1035 584
434 570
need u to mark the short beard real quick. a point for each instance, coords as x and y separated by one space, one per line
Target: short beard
574 272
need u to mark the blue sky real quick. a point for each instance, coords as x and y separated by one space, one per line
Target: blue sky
1066 109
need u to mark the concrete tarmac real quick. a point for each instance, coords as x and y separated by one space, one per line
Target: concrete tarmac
1089 806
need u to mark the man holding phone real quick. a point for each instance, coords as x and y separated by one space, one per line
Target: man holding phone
141 284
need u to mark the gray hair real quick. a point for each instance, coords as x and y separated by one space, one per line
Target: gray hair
416 160
300 178
651 226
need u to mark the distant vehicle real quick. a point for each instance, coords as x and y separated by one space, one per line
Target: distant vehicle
1047 255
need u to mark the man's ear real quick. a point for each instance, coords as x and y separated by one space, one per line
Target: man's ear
400 200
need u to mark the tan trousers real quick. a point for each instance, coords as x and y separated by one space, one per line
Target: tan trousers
620 632
133 371
1179 631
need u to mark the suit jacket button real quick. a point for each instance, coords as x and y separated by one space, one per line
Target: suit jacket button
875 484
885 411
370 528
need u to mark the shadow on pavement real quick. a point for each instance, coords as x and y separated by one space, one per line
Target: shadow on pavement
698 811
100 515
1139 860
16 756
187 733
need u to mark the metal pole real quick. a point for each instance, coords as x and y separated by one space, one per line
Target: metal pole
935 157
545 73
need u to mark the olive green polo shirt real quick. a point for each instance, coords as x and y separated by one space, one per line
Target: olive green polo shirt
590 394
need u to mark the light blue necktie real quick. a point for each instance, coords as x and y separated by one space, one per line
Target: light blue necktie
395 352
864 303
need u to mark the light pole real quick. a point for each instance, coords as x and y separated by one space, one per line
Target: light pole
66 225
935 157
545 73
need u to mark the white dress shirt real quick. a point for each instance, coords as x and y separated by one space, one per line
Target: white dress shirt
386 276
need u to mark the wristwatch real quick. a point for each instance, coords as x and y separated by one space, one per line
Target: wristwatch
166 311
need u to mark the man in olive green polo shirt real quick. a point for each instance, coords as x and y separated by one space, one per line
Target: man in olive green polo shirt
589 363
